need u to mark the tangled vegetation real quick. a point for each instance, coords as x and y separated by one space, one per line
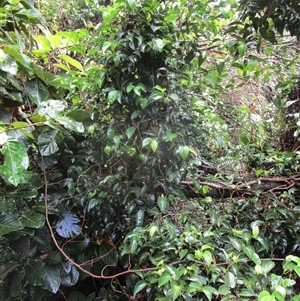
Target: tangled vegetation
149 150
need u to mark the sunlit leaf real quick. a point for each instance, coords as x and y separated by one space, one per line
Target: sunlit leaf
184 151
16 161
71 61
154 145
175 290
164 278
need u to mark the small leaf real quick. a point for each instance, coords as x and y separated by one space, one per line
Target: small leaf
107 149
139 286
164 278
163 204
154 145
175 290
132 4
112 96
255 231
130 131
265 296
242 48
230 280
207 256
198 254
184 152
146 141
139 218
267 266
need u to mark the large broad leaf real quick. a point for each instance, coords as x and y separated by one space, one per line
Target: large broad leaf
49 142
52 279
9 223
8 63
33 219
37 91
70 124
67 226
51 108
15 161
16 284
72 275
37 273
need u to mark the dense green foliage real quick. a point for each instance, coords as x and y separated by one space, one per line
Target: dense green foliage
108 114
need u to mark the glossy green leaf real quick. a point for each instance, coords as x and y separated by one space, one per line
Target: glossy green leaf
162 203
198 254
51 108
242 48
230 280
146 141
139 286
207 256
267 266
112 96
9 223
184 152
16 161
70 124
35 273
49 142
130 131
33 219
265 296
172 271
175 290
132 4
164 278
72 275
154 145
249 251
8 63
139 218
